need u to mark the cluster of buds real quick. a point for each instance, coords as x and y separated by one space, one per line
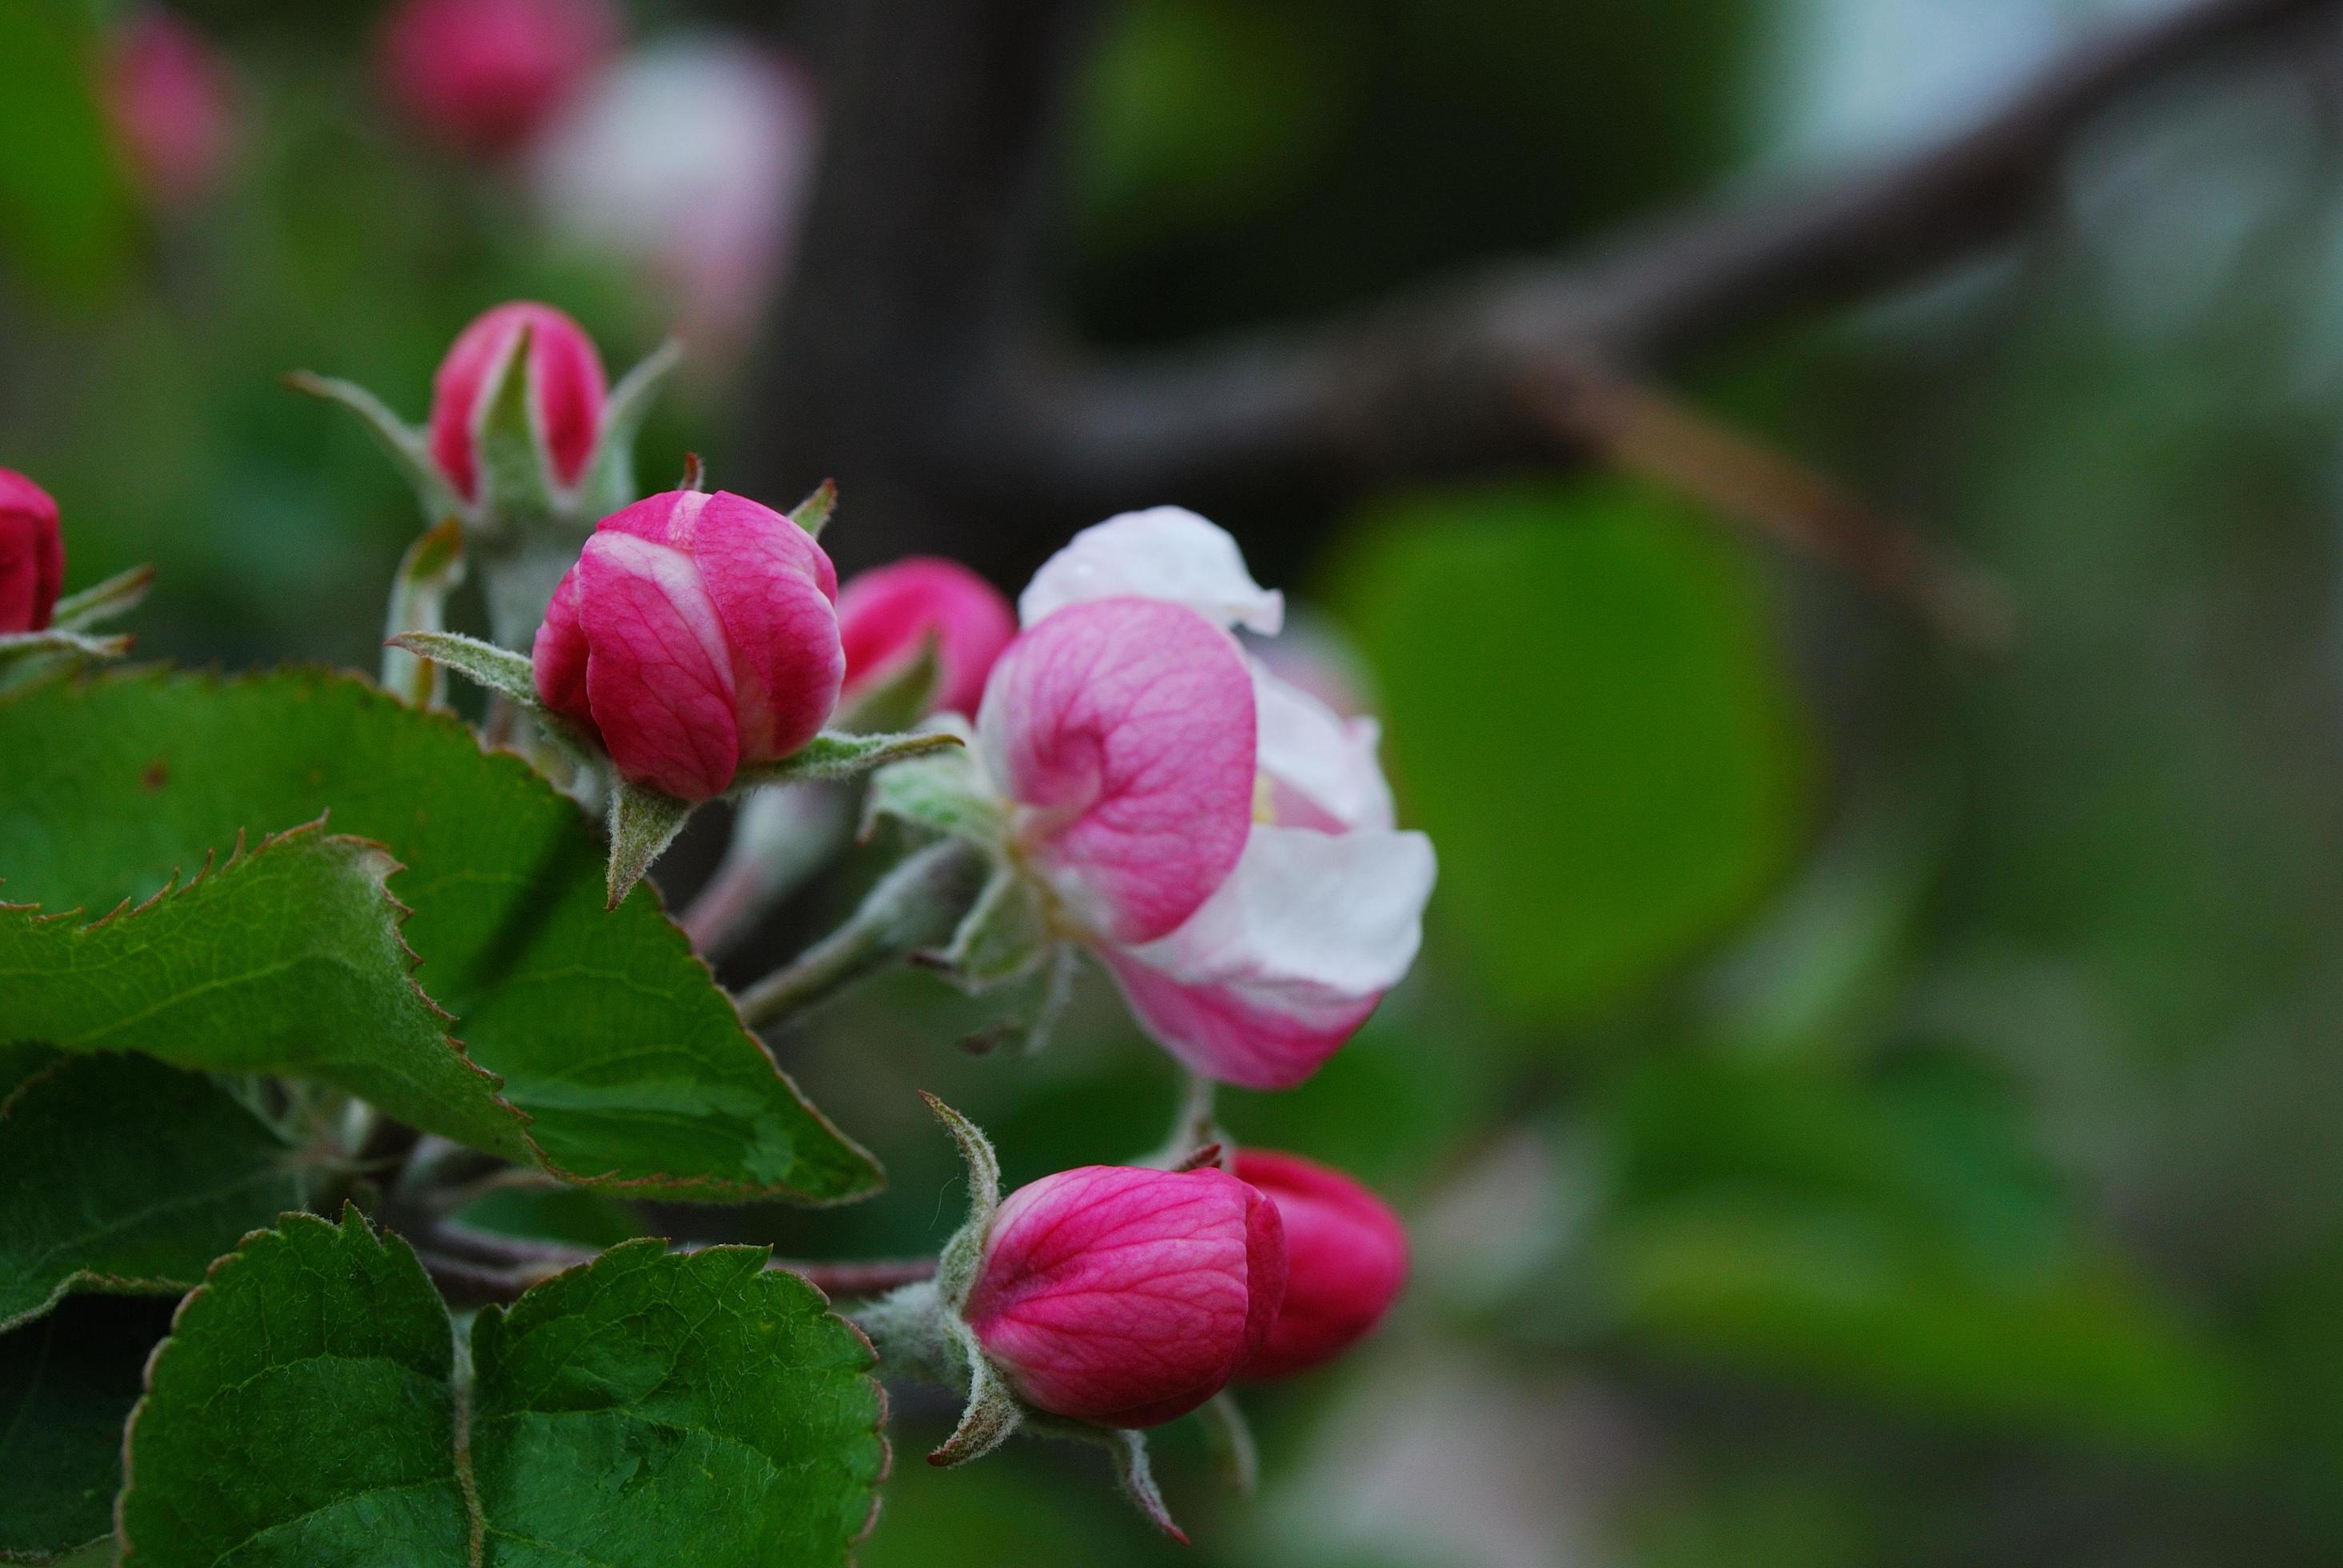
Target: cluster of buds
41 632
1104 768
1097 1302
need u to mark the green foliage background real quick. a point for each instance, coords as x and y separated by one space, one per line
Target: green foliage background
1858 1104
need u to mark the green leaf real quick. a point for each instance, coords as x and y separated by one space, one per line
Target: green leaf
233 972
608 1031
648 1408
657 1407
303 1409
1587 713
67 1385
120 1174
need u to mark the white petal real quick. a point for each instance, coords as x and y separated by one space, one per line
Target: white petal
1318 915
1309 747
1166 553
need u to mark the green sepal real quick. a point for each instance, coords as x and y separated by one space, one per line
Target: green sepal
500 669
643 823
814 513
956 1265
944 793
992 1413
29 656
117 595
1230 1436
517 486
431 570
831 755
1004 937
611 482
408 450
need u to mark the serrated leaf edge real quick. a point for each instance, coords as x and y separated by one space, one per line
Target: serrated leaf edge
505 757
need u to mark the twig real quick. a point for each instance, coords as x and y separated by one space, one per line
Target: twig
1428 384
476 1267
1644 431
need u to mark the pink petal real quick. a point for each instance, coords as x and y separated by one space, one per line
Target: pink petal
1253 1036
567 389
1287 957
31 553
884 615
558 656
1128 1296
1346 1258
659 678
1125 728
771 586
484 76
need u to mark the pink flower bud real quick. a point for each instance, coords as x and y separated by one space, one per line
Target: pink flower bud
484 75
168 94
1125 1296
1346 1260
567 389
884 617
31 553
696 633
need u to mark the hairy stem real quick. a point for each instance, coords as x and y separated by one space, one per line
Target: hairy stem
916 905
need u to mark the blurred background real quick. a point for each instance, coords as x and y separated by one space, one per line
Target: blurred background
1863 1101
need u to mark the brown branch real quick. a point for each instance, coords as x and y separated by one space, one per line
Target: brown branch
1429 384
475 1268
1644 431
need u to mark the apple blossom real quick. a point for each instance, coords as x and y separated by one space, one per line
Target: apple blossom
31 553
1124 1296
167 96
695 634
885 616
485 75
565 385
1346 1260
1223 842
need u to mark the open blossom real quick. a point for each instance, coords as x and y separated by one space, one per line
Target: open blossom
566 390
1346 1260
31 553
887 614
1223 841
1126 1296
696 633
485 75
167 96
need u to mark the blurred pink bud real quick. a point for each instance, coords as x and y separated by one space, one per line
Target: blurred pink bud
168 97
696 633
1122 732
687 163
485 75
886 615
1346 1260
567 387
31 553
1127 1296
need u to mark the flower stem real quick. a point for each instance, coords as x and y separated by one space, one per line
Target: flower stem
914 906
